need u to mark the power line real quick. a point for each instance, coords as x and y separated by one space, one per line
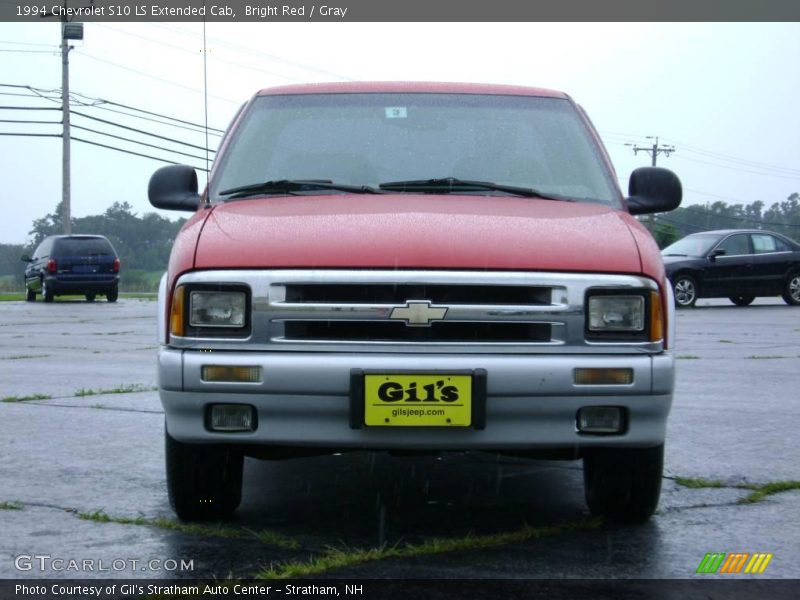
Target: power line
30 122
155 135
57 135
130 152
119 137
149 76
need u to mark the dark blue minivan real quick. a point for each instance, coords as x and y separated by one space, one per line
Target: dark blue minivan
73 264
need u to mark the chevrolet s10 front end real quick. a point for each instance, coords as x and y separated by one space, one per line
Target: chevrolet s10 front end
427 267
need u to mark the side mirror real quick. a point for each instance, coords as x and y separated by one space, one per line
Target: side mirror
174 188
652 190
26 258
718 252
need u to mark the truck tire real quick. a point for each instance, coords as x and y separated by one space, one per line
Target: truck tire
623 484
204 481
743 300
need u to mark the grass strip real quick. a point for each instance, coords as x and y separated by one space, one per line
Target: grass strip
122 389
338 558
759 491
224 531
24 398
10 506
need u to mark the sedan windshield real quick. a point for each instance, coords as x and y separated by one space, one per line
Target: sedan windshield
693 245
540 144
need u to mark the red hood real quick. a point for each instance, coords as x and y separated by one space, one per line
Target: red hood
417 231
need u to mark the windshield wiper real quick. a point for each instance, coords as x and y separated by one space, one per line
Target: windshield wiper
279 186
452 184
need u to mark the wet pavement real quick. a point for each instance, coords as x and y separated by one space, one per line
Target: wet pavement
81 475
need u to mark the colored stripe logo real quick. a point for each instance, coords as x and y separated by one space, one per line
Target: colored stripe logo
734 563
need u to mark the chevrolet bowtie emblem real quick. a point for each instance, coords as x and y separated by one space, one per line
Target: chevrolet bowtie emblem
418 313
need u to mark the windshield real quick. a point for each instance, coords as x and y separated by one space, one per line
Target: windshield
369 139
693 245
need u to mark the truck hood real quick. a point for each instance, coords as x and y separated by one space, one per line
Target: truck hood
417 231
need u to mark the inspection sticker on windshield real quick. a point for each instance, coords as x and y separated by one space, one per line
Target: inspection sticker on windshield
396 112
417 400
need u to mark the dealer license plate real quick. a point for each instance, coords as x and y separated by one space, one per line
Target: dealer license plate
417 400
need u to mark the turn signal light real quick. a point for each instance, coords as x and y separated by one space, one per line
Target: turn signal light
603 376
176 312
230 374
656 318
52 266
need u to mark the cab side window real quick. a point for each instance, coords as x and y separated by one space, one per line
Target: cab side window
735 245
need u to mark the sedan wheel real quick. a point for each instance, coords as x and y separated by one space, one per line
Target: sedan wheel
742 300
791 292
685 291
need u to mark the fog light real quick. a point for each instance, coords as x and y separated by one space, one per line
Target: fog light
232 417
603 376
231 374
600 419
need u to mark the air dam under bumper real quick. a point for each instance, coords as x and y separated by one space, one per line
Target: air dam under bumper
304 399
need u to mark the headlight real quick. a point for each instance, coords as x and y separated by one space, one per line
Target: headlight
616 313
217 309
203 310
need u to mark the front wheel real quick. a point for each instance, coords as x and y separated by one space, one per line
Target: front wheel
623 484
791 291
204 481
742 300
685 290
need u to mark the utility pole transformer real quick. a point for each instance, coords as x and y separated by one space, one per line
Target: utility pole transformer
655 150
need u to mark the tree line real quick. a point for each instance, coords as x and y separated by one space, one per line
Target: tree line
143 242
781 217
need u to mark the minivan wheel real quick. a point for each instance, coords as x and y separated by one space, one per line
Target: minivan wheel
111 296
791 291
90 297
742 300
204 481
47 293
685 290
30 295
623 484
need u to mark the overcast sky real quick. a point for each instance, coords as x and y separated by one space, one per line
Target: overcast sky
724 94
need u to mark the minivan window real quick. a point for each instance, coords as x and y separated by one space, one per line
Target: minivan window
83 247
369 139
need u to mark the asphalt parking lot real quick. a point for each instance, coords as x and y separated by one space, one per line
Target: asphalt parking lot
81 475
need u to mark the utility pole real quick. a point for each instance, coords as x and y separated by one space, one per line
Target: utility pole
69 31
654 150
66 211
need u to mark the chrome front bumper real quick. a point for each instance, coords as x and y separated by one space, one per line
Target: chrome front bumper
304 399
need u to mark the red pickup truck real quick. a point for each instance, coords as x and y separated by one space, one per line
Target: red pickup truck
414 266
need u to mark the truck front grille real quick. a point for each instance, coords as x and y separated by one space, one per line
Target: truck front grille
416 311
442 332
399 293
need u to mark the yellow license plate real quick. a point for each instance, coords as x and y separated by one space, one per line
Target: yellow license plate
417 400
